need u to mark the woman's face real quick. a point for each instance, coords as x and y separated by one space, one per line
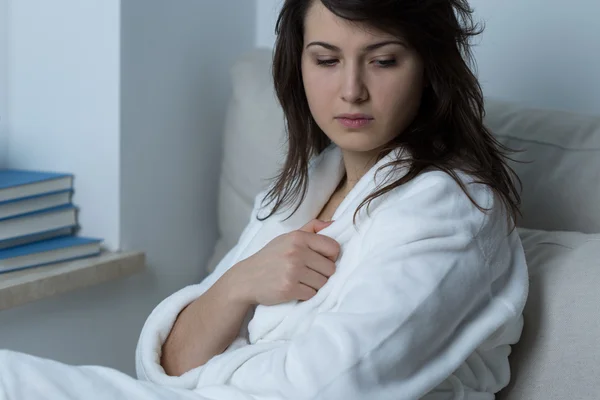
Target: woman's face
363 86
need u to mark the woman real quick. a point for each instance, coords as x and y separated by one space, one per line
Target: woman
382 263
416 288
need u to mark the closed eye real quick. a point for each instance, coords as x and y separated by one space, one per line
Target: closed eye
380 63
327 63
386 63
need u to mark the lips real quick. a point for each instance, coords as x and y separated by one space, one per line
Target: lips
354 123
354 120
355 116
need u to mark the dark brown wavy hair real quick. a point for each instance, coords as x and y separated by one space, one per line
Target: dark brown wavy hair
448 132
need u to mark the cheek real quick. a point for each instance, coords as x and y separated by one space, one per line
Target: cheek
319 89
400 97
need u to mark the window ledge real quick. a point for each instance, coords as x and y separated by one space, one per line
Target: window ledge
33 284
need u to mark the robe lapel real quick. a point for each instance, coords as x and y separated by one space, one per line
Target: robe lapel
324 176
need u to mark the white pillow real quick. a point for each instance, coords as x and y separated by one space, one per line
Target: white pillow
558 356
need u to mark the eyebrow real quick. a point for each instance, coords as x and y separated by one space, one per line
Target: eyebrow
368 48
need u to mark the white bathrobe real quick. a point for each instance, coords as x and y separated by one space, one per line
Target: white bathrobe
425 302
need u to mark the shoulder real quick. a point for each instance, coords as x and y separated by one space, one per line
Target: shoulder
435 204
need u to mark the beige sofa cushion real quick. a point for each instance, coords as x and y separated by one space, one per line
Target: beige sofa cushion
254 146
561 186
558 356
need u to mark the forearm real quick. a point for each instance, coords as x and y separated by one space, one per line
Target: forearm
205 328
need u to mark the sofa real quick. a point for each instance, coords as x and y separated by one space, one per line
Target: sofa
558 163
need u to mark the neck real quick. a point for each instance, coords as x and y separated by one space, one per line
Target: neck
356 164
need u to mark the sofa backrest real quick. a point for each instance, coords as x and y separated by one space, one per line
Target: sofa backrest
561 179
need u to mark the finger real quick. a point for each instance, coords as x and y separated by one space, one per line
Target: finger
319 263
312 279
315 226
303 292
323 245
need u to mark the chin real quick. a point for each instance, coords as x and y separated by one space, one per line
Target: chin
357 142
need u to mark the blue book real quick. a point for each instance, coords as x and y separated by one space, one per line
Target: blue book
18 184
38 222
47 252
26 205
37 237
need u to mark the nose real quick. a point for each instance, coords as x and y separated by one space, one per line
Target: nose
353 88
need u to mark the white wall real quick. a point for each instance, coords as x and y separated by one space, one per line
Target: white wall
3 82
63 68
266 18
171 88
175 86
63 64
544 53
541 53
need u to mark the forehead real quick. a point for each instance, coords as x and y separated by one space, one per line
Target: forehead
322 24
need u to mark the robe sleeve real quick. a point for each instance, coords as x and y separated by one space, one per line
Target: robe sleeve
161 320
437 277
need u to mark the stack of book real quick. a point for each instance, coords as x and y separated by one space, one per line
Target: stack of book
38 221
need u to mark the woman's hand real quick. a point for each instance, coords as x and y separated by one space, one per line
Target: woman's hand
293 266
